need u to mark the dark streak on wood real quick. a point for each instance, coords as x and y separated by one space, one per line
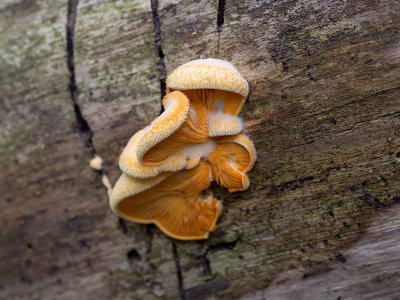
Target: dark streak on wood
220 21
178 271
122 225
220 15
162 73
84 129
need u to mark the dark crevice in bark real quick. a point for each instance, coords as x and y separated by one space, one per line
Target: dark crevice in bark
132 256
178 271
202 261
220 20
150 233
291 184
222 246
83 127
122 226
162 71
220 15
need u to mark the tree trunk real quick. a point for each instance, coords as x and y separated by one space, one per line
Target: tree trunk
321 217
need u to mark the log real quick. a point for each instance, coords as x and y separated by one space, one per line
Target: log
321 216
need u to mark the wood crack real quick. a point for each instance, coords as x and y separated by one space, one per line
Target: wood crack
162 71
222 246
83 127
178 271
84 130
220 15
220 21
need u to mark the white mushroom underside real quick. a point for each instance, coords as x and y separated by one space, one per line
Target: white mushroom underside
199 150
221 124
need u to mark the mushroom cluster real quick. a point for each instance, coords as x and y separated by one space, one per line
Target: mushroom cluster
168 165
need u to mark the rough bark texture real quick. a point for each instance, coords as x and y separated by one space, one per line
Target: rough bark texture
320 219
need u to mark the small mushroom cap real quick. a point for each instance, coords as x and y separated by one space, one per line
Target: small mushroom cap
210 73
96 163
173 201
232 158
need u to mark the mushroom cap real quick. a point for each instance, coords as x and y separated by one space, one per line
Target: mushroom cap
209 73
96 163
130 165
131 160
176 106
127 186
173 201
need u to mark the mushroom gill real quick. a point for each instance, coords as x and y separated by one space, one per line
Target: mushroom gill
232 158
173 201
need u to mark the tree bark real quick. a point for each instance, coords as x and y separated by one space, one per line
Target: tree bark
321 216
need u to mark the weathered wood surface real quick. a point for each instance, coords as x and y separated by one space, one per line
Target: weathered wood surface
370 269
320 218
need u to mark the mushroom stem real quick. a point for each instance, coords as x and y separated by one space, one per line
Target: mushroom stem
96 163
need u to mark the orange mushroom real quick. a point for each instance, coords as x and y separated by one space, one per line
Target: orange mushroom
167 165
173 201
